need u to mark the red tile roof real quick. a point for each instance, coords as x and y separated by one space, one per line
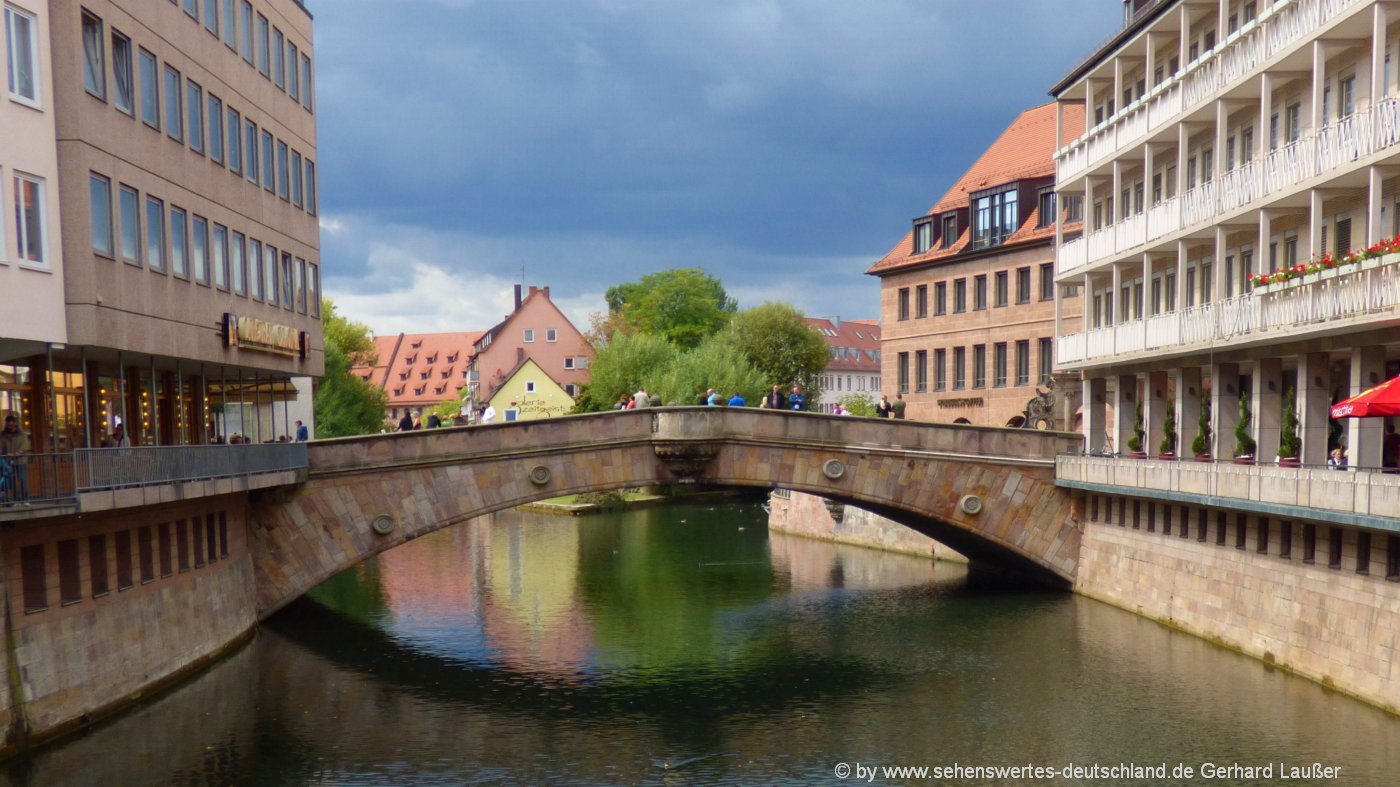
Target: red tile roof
404 359
855 344
1025 150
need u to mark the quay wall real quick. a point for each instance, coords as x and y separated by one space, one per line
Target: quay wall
802 514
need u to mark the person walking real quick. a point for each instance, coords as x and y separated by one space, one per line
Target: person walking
434 421
883 409
897 409
488 413
14 466
303 434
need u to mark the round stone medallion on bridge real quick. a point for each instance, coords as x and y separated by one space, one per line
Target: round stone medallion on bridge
970 505
833 468
540 475
383 524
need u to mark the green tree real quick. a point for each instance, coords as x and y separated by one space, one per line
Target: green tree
628 362
861 404
344 403
682 305
1168 444
1201 445
445 410
783 347
1289 444
1135 442
715 364
1244 438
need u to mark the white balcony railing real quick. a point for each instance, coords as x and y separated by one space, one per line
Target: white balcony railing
1163 218
1102 243
1072 255
1130 233
1355 294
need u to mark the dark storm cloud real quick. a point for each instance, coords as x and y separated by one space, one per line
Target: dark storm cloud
781 144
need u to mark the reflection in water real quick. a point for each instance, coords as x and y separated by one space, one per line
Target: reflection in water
688 646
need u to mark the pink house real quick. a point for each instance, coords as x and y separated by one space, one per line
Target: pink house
537 330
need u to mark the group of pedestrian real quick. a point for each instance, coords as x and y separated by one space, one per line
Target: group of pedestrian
639 399
888 409
410 424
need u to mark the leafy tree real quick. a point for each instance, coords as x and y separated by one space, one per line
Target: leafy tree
1244 439
1168 444
1135 442
782 346
861 404
715 364
1289 444
344 403
628 362
446 410
682 305
1201 445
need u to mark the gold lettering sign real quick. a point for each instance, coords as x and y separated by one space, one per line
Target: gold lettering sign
971 402
250 333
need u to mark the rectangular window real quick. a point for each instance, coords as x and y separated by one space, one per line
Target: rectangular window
1293 122
211 16
286 276
1047 281
293 75
167 566
70 578
1334 547
123 88
218 256
999 365
1023 362
235 258
950 230
301 294
146 554
182 546
313 287
923 235
150 90
34 573
264 48
1023 285
270 270
959 368
940 372
1047 359
97 565
22 48
310 187
1285 539
130 211
1046 213
903 371
921 371
223 534
1309 543
940 298
125 581
279 60
100 199
196 542
30 226
979 292
192 8
283 182
199 249
94 57
211 538
235 141
174 110
903 303
296 179
245 21
255 269
1392 558
306 81
979 366
921 301
250 150
1363 552
1003 288
994 218
269 173
959 296
216 129
194 103
155 234
179 244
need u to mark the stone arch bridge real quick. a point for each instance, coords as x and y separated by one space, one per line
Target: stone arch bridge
987 492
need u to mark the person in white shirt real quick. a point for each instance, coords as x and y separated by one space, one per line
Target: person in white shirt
488 414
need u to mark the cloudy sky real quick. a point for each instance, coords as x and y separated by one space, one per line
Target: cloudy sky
782 145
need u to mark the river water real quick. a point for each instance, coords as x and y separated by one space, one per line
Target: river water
689 646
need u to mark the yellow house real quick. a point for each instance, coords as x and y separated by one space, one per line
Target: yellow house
528 393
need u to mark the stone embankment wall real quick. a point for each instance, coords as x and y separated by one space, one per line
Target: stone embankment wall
1248 584
807 515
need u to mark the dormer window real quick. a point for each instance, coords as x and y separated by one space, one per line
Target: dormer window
950 230
424 374
923 235
416 345
1047 207
432 359
994 217
452 358
409 360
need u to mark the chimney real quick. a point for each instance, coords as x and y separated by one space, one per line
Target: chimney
545 290
517 296
836 321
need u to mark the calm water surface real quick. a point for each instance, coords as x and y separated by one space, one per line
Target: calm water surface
688 646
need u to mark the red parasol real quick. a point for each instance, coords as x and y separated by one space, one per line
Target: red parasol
1380 401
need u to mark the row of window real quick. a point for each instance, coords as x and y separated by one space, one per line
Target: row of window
1266 536
1000 360
27 195
205 252
858 382
1001 281
262 44
550 335
167 548
995 217
192 116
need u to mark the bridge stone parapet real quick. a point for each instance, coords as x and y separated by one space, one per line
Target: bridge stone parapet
987 492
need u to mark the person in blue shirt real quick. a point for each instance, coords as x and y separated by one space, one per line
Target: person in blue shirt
798 399
736 400
714 400
303 434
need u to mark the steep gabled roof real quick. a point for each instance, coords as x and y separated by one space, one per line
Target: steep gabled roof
855 344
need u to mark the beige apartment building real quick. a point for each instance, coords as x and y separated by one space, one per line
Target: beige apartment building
968 298
1229 140
184 204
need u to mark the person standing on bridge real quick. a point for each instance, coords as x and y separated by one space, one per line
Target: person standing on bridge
737 400
883 409
775 399
303 434
714 400
640 398
797 400
406 423
897 409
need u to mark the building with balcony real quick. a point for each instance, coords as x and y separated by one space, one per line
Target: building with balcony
969 301
854 367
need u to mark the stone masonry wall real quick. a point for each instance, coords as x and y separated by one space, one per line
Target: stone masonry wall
1330 624
808 516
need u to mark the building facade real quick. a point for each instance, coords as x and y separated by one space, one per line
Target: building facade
854 367
537 330
180 216
418 371
968 298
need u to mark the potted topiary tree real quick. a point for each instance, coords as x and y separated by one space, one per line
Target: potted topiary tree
1289 444
1244 440
1167 448
1201 445
1135 442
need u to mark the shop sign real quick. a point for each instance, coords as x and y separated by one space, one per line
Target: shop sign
250 333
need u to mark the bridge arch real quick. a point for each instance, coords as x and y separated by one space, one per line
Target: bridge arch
987 492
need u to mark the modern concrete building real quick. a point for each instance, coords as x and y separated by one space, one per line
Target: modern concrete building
179 214
854 367
968 298
537 330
